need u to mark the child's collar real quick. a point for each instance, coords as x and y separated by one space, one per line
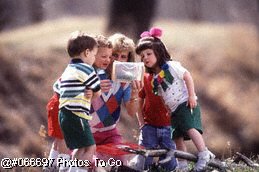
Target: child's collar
76 60
160 78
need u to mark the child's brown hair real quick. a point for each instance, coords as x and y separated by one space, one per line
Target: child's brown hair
79 42
157 46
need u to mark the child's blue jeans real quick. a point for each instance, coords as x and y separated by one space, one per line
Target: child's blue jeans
152 137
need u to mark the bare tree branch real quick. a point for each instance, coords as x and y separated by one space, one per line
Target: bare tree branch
241 157
175 153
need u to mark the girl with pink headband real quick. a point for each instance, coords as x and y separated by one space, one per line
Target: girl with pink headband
175 84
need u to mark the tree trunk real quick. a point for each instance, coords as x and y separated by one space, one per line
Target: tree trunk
35 11
130 17
5 13
194 10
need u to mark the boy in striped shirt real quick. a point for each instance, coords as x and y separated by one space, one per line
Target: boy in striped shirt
74 106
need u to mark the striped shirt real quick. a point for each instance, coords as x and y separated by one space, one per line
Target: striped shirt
75 79
56 86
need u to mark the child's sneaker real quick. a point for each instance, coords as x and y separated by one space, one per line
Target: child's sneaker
137 163
50 169
63 162
203 158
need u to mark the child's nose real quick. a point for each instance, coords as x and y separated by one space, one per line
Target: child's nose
143 57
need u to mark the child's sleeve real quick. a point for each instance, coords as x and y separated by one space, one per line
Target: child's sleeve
93 82
56 86
178 69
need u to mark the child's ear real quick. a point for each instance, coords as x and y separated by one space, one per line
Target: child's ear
86 52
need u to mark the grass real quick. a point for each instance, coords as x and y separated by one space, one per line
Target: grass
50 34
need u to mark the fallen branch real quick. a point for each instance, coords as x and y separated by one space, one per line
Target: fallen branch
174 153
249 162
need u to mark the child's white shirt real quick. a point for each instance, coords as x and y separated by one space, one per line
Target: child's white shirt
177 92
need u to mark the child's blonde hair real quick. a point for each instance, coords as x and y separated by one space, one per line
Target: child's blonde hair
103 41
121 42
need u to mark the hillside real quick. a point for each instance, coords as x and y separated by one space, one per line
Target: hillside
223 60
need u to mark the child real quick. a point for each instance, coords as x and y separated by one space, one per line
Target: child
106 109
74 107
154 122
58 148
103 56
174 83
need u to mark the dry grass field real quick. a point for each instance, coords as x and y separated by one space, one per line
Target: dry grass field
223 59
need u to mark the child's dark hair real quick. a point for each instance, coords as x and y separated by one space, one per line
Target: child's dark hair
157 46
79 42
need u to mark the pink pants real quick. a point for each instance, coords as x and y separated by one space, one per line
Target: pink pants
105 137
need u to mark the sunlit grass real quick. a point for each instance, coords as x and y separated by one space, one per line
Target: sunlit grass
50 34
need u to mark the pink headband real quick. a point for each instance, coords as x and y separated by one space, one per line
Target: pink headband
154 32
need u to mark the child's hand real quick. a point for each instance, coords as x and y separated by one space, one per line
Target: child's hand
88 93
105 85
136 86
192 102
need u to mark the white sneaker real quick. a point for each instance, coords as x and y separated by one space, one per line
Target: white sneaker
63 162
203 158
76 169
50 169
137 163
